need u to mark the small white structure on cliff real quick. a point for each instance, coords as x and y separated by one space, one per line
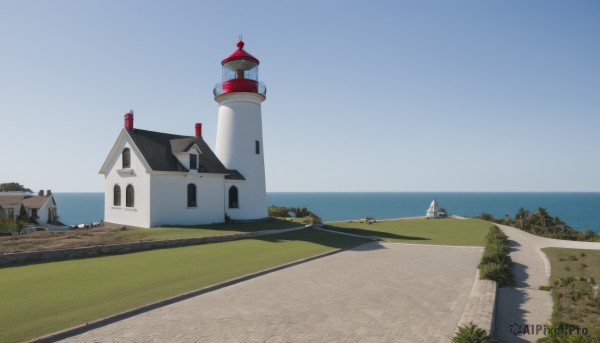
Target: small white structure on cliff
434 210
154 178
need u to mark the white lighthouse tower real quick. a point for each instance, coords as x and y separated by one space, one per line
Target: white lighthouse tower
239 135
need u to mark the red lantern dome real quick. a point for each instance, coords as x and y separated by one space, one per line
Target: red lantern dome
240 73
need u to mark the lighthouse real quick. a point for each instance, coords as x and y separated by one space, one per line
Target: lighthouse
239 135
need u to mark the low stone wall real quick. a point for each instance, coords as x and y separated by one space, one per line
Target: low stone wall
123 248
481 306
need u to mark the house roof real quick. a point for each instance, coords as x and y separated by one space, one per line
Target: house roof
11 199
234 175
34 201
434 207
159 149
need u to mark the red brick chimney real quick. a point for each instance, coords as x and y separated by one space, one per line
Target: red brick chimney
198 130
129 121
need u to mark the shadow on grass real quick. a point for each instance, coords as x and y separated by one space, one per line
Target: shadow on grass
374 233
242 226
315 236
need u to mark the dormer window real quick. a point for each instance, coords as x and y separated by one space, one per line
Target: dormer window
126 157
193 162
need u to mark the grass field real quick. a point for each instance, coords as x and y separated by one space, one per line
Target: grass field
447 231
173 232
112 235
43 298
574 272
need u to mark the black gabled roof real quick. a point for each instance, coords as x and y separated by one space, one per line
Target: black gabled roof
159 148
234 175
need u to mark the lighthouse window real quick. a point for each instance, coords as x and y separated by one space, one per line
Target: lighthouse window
117 195
126 158
191 195
233 197
193 161
129 196
257 147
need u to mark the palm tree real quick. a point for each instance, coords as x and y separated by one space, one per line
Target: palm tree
522 215
472 334
544 218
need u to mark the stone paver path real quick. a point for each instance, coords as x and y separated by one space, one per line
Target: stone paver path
379 292
524 303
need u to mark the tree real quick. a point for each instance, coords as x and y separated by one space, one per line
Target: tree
544 218
589 235
13 187
472 334
522 216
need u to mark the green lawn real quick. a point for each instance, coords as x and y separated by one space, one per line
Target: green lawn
43 298
174 232
446 231
573 273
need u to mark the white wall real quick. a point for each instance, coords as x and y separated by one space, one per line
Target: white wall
42 212
139 215
169 199
239 126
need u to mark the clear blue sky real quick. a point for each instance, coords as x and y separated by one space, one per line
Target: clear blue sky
362 96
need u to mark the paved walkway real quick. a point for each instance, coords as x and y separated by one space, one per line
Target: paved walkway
379 292
525 303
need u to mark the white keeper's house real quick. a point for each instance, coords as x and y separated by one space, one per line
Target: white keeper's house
154 178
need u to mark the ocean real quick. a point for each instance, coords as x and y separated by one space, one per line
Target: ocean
579 210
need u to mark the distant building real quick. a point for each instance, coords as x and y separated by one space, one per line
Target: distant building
154 178
39 208
433 211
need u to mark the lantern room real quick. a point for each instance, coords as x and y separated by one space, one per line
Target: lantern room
240 73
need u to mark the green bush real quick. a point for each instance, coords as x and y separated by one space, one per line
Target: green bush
499 272
10 224
493 248
495 257
472 334
495 262
282 211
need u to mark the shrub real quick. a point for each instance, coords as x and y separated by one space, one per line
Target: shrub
487 216
499 272
282 211
495 257
472 334
10 224
572 258
495 262
493 248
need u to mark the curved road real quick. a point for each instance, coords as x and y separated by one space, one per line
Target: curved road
524 303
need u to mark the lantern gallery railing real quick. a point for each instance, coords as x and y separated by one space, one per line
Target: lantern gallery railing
240 85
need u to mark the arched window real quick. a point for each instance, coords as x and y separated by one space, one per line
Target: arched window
129 196
126 158
117 195
191 195
233 197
